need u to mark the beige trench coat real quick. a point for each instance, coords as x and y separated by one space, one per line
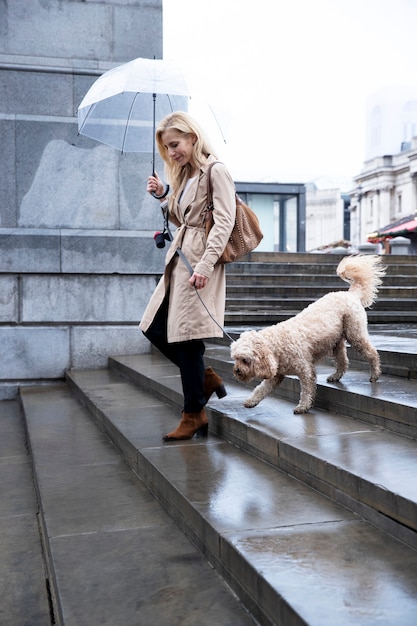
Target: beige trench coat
187 317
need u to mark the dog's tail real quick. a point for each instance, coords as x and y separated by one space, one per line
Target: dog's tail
364 273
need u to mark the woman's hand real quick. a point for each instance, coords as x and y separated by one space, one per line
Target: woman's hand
198 281
155 185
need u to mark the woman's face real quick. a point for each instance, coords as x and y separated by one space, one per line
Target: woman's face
179 147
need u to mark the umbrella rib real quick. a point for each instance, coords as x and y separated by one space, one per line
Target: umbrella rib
128 120
89 112
217 122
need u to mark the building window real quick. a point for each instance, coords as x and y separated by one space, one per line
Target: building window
291 224
399 203
281 212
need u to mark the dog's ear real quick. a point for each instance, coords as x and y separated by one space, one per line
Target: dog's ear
242 344
264 363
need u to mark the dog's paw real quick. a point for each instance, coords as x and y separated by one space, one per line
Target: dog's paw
301 409
333 378
249 403
373 379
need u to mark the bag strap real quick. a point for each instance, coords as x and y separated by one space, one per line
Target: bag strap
210 187
210 205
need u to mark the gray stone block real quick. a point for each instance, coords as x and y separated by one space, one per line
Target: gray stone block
9 391
81 84
29 250
36 93
139 33
8 208
73 188
54 180
400 245
110 252
134 3
9 310
70 186
83 30
92 346
32 139
138 209
368 248
94 299
31 353
79 29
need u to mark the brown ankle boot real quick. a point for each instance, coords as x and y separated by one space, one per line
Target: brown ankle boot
190 424
213 383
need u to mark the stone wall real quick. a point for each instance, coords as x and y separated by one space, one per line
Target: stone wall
77 257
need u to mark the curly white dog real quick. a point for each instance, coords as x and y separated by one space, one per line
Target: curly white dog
296 345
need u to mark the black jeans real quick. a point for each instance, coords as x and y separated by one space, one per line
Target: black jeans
187 355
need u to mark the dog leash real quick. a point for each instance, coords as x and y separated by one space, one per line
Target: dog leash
191 271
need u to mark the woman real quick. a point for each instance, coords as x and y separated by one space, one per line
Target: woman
175 320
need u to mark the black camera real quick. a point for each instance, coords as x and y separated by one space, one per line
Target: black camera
160 239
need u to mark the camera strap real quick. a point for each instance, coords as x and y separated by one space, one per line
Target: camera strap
191 270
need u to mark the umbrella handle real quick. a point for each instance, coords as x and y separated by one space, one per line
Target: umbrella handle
162 194
165 193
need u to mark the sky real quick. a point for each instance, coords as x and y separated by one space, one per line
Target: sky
289 80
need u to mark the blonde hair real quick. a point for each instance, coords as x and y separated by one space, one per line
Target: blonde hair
183 123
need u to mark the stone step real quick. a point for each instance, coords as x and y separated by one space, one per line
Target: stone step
308 258
263 317
242 302
266 292
114 556
293 556
23 584
307 267
329 281
273 287
253 289
354 414
398 352
398 355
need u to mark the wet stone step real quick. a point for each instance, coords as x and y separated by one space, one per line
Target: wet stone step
311 266
273 433
266 316
246 303
114 556
23 584
331 281
276 541
398 353
313 259
390 403
277 276
315 291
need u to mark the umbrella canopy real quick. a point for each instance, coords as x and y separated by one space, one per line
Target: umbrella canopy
122 107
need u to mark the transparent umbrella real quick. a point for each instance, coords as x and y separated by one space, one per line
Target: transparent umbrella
121 109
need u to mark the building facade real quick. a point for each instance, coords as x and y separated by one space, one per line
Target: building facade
385 193
327 218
